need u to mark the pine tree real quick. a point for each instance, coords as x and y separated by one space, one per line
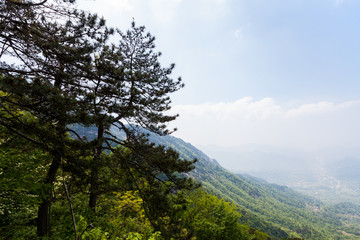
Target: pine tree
46 50
131 89
58 67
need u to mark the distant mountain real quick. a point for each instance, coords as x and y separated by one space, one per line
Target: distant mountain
274 209
346 169
277 210
329 174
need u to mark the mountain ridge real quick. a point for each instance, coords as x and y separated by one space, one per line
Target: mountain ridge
274 209
277 210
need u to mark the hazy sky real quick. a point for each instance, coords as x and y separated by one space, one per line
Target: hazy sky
276 72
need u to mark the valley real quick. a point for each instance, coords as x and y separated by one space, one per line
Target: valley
329 175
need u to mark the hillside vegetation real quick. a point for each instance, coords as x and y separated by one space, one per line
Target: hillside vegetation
276 210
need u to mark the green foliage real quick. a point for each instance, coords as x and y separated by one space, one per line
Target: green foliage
58 67
22 168
125 214
209 217
138 236
277 210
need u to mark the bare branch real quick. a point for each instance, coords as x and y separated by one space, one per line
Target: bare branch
71 208
77 135
21 134
88 226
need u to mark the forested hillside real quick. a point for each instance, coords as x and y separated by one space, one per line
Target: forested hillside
276 210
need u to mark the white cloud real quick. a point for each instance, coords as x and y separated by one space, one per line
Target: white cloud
320 108
313 108
244 108
264 121
247 108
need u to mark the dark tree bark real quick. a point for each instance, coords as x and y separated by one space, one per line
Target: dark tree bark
94 178
43 222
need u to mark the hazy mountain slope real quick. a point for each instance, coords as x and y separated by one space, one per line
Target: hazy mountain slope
329 174
277 210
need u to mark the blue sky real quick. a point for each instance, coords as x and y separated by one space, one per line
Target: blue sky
273 72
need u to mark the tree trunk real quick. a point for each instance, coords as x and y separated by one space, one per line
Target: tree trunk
94 178
43 221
